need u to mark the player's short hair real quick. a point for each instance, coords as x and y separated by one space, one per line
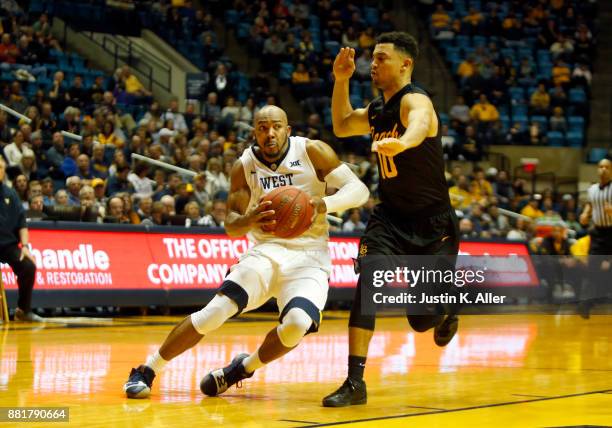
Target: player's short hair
403 42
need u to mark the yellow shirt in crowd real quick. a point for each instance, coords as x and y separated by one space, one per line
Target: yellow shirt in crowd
531 212
484 112
460 199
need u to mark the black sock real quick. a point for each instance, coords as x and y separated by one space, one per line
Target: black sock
356 366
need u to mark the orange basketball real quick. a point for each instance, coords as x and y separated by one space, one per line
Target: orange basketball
293 211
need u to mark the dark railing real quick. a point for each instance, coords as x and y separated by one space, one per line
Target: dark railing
499 161
124 51
557 184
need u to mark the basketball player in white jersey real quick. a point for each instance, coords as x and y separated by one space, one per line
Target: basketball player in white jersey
295 271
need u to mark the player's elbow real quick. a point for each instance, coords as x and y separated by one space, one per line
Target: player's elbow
340 130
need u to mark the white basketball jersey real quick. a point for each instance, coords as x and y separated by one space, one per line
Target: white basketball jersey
294 169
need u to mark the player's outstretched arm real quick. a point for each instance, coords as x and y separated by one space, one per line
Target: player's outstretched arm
346 121
240 219
416 114
351 190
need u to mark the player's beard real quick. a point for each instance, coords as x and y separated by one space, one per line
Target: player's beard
278 149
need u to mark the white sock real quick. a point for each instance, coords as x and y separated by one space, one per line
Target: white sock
156 363
252 362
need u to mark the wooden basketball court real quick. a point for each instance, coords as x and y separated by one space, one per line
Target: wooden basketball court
503 371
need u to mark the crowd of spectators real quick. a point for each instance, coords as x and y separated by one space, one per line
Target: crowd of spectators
97 180
524 69
298 40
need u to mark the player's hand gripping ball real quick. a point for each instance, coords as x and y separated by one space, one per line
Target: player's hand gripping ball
293 211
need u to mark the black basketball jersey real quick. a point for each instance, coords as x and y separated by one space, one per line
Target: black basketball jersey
414 179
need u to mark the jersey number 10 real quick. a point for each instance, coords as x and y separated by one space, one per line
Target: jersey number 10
387 166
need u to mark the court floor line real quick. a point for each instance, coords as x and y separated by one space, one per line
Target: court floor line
461 409
300 422
528 395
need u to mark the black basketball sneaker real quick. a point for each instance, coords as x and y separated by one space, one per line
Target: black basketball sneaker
218 381
445 332
351 392
139 383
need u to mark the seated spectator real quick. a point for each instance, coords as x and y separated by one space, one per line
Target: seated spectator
58 95
469 147
473 21
536 136
163 188
216 218
502 189
119 182
90 208
460 196
230 113
481 221
466 229
350 38
500 224
14 151
211 110
169 204
354 223
114 211
480 187
99 187
584 49
192 211
61 199
273 52
540 101
108 136
467 68
518 232
562 48
363 65
73 184
582 76
199 189
145 204
133 86
367 39
177 118
558 97
77 94
157 215
532 209
217 180
300 80
143 186
28 165
47 191
17 101
71 122
8 50
460 111
440 19
560 73
99 164
69 165
484 111
221 84
128 208
84 167
35 209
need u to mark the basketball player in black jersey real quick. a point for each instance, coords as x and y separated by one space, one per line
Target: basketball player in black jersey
414 216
